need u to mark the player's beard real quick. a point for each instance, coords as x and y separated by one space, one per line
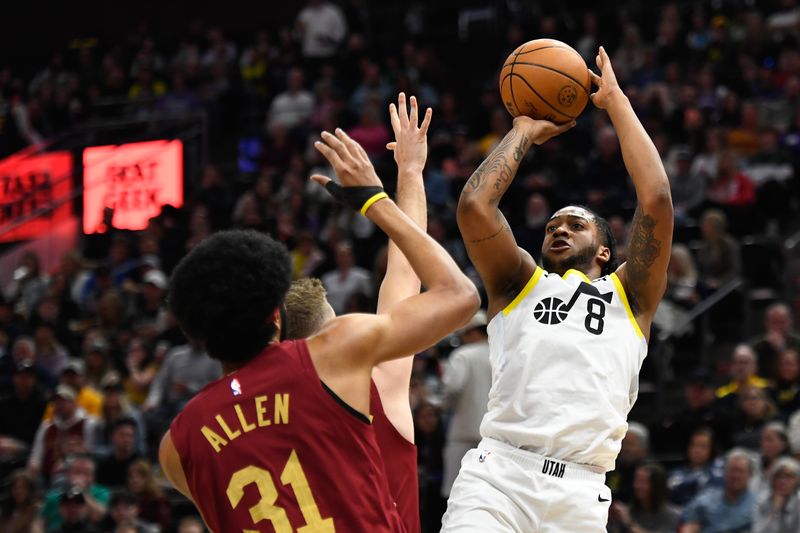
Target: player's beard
580 260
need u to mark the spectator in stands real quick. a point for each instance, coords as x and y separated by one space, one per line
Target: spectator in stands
111 328
373 89
689 187
113 469
23 350
718 258
123 512
215 197
49 352
530 235
731 188
97 364
649 511
682 279
147 86
702 468
755 410
70 431
729 508
79 478
88 399
116 407
120 262
75 513
142 366
701 410
744 374
21 410
219 50
370 132
20 503
27 287
774 445
779 334
635 449
151 503
785 390
191 524
321 27
293 107
186 370
346 279
306 256
778 507
150 310
466 381
606 179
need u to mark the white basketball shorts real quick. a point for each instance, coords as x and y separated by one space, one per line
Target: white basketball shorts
501 488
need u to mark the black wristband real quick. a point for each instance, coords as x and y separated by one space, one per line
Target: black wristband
353 197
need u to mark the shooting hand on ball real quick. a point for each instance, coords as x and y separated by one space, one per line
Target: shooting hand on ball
607 86
540 131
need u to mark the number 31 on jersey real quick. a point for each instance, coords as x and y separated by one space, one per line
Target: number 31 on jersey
266 509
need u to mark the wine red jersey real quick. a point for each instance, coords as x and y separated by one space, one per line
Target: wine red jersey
270 448
400 463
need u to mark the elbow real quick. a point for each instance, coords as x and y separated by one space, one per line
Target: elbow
471 204
658 200
472 212
465 297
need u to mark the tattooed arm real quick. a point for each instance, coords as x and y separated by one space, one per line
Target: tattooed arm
503 266
644 275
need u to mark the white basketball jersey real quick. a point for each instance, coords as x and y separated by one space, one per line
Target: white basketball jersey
565 355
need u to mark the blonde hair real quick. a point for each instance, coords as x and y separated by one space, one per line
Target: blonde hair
682 255
143 467
305 308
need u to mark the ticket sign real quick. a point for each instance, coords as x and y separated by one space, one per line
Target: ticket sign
134 179
35 194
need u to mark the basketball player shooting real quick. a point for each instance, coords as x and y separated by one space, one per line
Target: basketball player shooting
566 341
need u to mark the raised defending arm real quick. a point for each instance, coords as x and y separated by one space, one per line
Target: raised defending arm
353 342
410 149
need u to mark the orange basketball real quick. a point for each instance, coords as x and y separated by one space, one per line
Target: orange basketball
545 79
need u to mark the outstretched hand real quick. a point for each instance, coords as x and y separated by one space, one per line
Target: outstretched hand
348 159
607 85
410 146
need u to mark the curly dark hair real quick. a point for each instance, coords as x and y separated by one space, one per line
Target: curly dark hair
225 290
604 229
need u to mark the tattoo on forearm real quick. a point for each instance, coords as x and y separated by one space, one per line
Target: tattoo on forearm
519 151
495 163
643 250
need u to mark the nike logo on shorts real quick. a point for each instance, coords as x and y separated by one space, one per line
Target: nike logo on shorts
601 499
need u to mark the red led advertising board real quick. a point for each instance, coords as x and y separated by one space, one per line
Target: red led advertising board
27 185
134 179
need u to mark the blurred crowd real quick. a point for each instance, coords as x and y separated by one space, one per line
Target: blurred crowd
93 366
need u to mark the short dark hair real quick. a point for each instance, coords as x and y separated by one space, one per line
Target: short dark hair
122 497
224 291
124 421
